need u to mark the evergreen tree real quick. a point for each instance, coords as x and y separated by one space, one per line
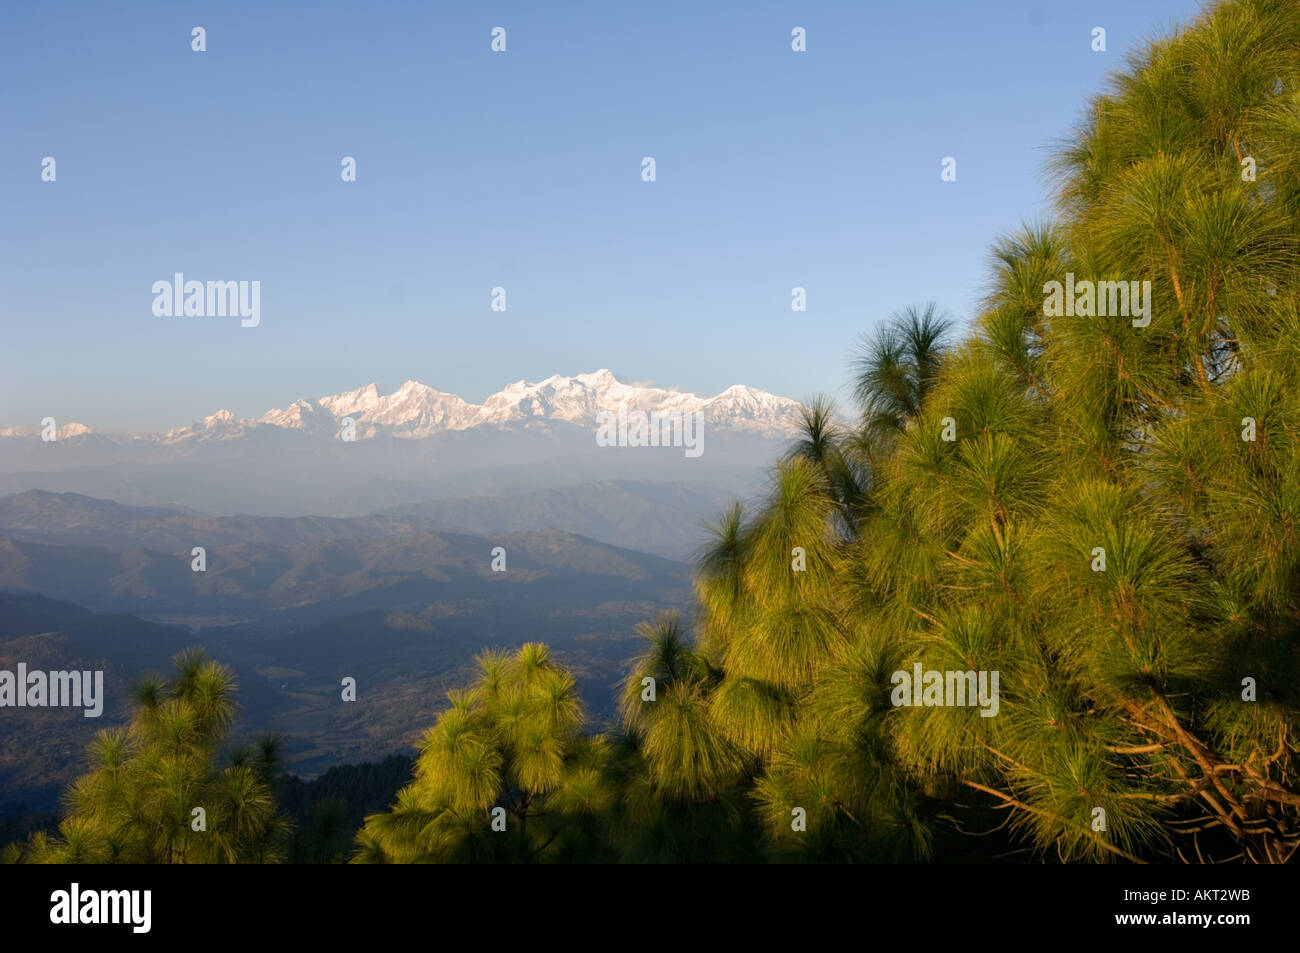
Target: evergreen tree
505 775
155 793
1099 509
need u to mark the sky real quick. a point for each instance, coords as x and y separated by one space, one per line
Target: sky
520 169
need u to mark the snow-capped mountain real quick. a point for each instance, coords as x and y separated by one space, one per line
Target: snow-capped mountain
415 410
414 445
64 432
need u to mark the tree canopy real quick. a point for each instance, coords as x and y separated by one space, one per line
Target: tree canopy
156 794
1100 508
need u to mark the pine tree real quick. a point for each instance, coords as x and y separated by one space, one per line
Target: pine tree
1102 510
156 794
505 775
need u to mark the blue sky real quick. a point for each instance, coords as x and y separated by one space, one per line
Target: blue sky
519 169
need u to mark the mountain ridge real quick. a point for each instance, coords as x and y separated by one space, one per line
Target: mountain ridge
661 519
416 411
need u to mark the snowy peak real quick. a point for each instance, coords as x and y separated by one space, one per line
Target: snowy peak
604 376
353 401
581 400
416 410
573 399
63 432
747 399
223 425
300 415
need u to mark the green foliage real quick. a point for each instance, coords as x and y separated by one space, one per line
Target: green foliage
329 810
513 741
137 803
958 525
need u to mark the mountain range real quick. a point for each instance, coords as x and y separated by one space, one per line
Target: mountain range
109 557
369 558
417 411
527 458
293 606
